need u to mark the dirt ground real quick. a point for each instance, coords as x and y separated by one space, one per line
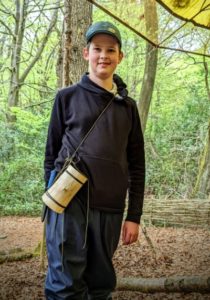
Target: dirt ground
177 252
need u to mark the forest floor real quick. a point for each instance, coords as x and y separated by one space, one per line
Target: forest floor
179 251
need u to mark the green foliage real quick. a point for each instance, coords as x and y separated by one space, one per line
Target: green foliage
176 129
21 156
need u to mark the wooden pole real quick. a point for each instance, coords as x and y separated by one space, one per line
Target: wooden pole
165 284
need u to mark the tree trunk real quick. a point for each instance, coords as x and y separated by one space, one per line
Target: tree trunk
78 17
20 19
168 284
202 186
59 63
151 61
16 80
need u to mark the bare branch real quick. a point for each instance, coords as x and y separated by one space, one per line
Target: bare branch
206 77
48 9
40 103
4 32
7 27
41 48
6 11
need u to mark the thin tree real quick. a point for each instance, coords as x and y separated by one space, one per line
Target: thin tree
151 20
17 78
202 185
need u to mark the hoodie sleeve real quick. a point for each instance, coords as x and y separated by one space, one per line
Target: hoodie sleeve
136 167
54 138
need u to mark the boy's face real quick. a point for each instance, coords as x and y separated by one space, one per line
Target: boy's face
103 55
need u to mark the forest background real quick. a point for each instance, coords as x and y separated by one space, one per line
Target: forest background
40 51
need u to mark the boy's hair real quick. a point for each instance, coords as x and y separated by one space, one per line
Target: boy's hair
103 27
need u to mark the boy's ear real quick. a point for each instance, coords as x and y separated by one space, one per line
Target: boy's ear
86 53
121 55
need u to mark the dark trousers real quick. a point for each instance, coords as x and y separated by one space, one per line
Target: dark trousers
81 269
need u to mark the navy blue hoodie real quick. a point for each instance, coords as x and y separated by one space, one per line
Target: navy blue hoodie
112 156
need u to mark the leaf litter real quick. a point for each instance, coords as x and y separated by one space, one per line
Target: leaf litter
174 251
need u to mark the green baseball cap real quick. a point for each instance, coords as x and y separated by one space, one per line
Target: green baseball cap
103 27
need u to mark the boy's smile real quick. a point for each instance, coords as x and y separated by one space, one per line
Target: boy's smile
103 55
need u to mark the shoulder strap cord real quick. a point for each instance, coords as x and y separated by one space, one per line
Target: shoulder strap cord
89 131
70 160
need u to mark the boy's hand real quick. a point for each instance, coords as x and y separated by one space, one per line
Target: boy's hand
130 232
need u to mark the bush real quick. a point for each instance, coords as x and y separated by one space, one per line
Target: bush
21 156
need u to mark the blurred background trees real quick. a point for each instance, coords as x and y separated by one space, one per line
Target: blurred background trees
40 51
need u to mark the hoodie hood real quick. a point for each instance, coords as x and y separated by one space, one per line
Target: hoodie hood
90 85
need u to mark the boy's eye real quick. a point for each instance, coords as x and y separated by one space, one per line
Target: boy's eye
111 50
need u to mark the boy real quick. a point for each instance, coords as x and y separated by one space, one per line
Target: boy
81 241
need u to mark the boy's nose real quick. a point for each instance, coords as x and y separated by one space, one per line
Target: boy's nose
103 54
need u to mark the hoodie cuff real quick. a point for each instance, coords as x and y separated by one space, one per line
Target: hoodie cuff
136 218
